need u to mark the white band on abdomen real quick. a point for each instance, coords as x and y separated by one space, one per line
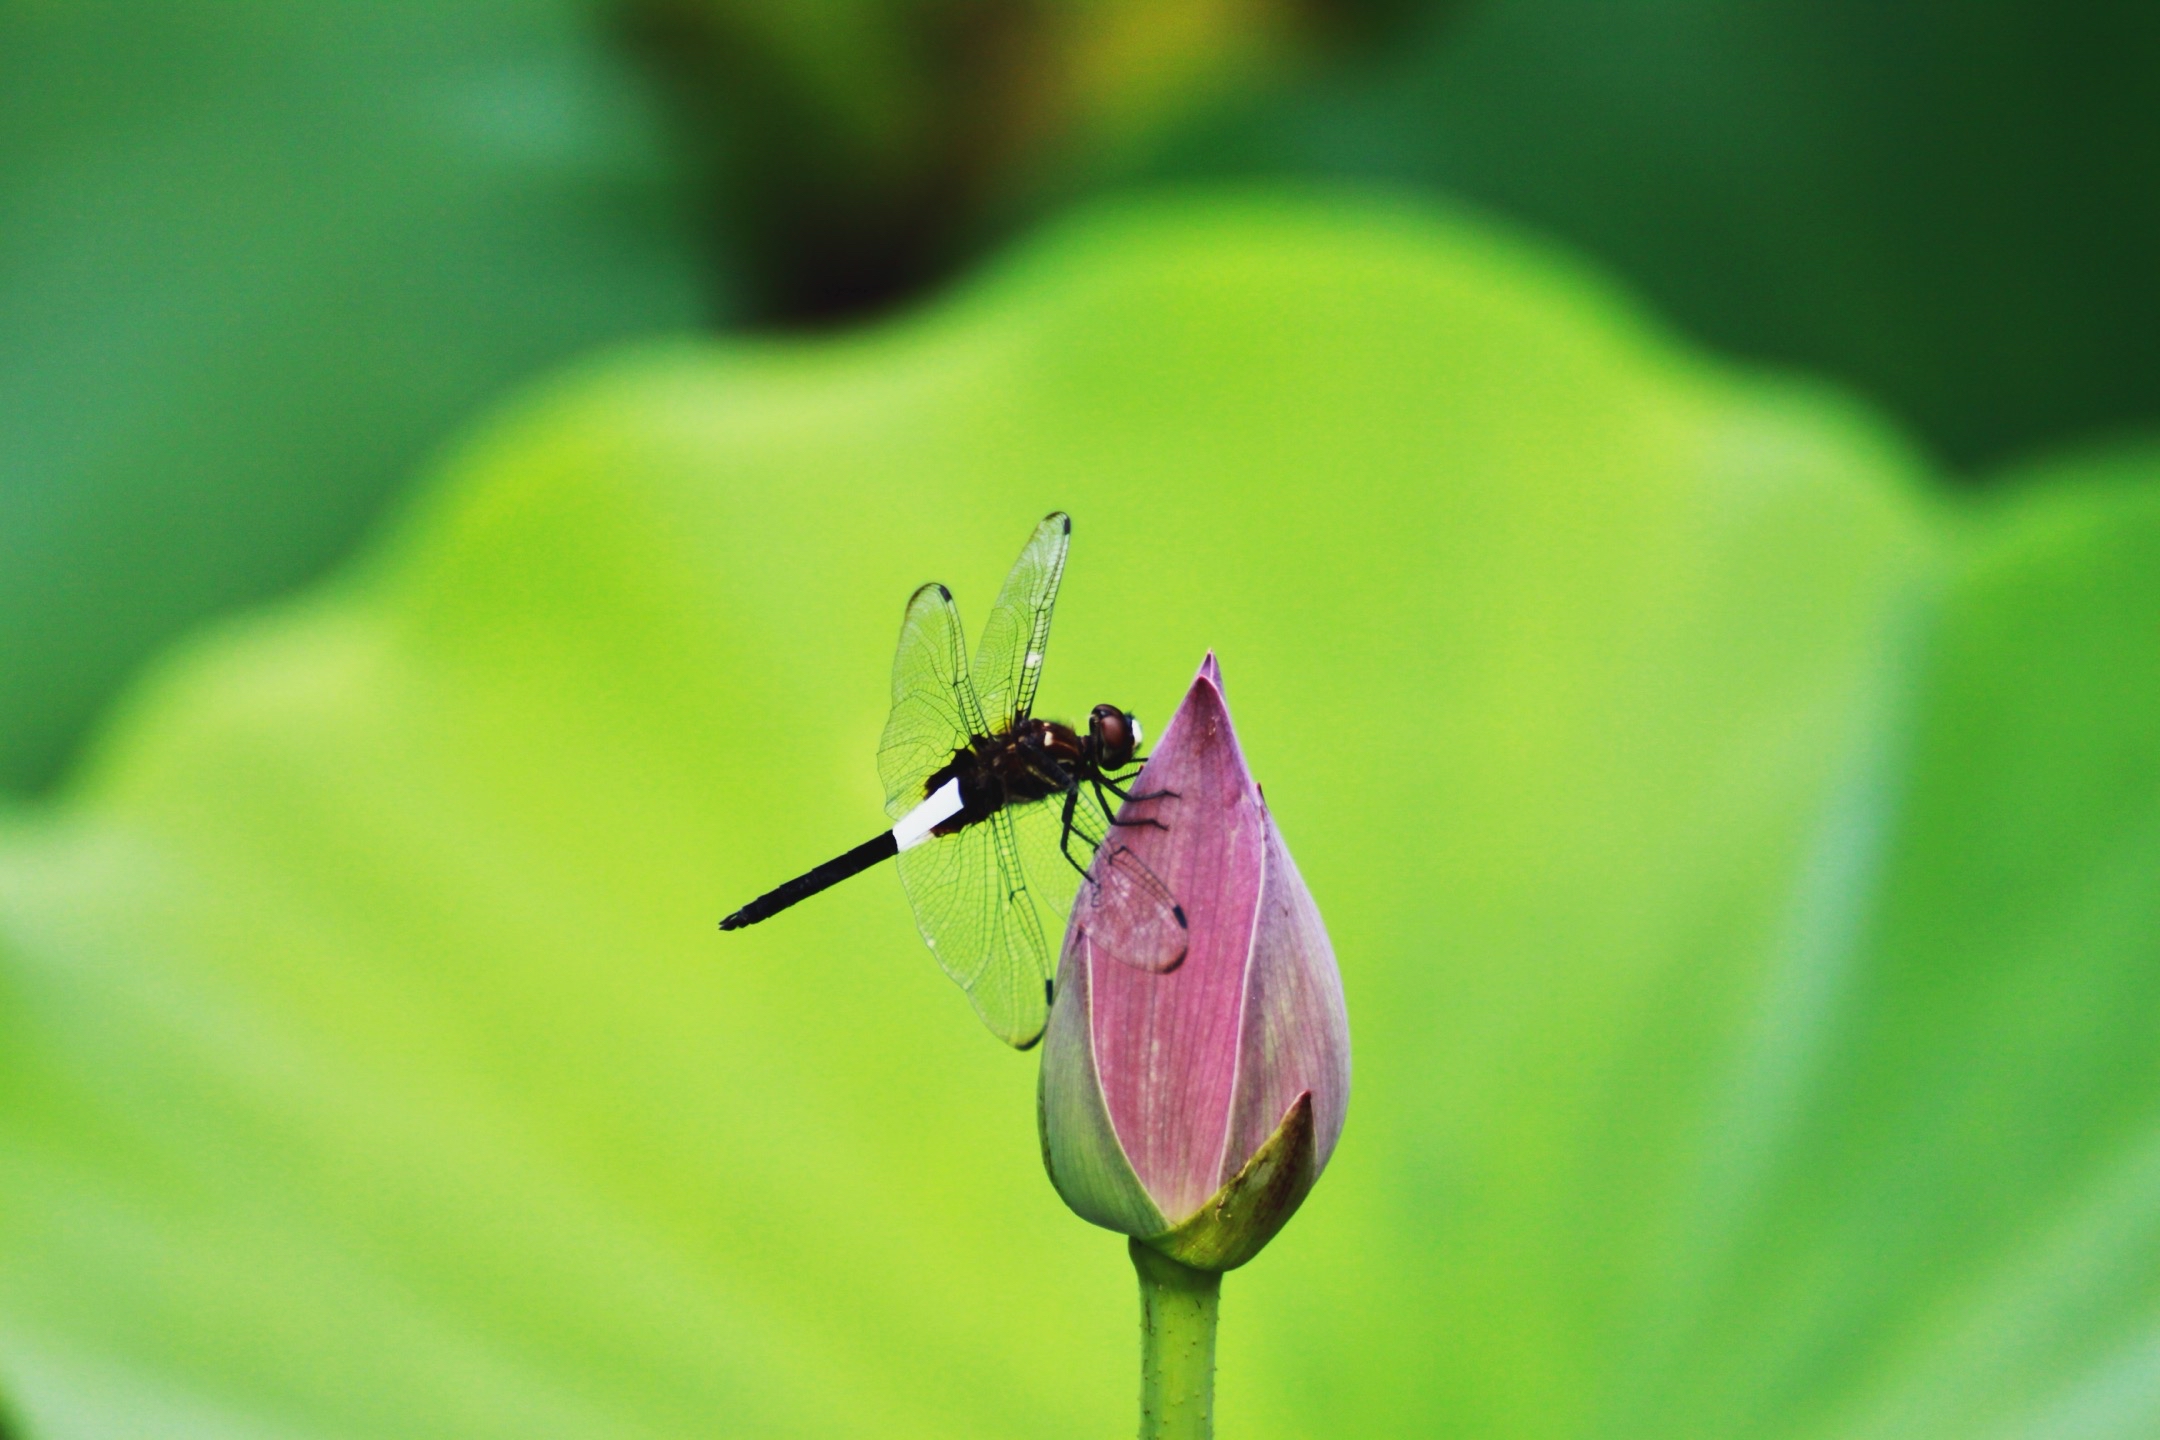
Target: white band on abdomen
916 826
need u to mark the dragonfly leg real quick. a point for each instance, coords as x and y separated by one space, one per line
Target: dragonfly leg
1117 786
1100 784
1113 783
1072 799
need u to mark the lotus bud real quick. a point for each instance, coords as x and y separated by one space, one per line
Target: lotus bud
1194 1108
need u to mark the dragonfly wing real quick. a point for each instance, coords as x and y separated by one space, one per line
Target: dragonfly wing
1009 654
973 907
1126 909
933 701
1039 828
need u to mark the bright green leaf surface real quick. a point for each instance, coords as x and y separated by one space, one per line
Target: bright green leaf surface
1740 869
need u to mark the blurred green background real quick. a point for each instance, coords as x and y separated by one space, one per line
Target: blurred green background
1672 486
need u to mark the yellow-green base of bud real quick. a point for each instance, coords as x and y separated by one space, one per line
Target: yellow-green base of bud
1258 1201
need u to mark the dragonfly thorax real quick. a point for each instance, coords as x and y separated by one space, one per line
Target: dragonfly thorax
1032 760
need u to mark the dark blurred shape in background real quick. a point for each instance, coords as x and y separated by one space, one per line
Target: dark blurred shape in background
257 261
1952 207
853 153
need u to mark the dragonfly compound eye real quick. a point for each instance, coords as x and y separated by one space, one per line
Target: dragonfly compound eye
1116 735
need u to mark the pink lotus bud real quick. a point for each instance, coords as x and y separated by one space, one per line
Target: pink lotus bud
1194 1108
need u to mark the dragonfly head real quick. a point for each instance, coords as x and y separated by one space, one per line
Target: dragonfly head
1116 734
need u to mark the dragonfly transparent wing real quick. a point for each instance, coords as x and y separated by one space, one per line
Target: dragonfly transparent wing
968 890
933 701
972 905
1128 911
1009 653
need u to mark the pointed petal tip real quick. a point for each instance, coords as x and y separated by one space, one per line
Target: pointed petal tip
1201 722
1207 678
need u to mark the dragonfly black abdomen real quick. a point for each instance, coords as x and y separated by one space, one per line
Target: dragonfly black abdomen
824 877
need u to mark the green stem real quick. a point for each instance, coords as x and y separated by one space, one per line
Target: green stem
1177 1346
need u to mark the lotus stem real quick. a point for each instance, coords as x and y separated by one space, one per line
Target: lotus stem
1178 1306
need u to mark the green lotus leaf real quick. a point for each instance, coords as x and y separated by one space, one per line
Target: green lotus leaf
1739 861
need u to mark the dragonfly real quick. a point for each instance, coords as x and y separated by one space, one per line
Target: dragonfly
997 812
